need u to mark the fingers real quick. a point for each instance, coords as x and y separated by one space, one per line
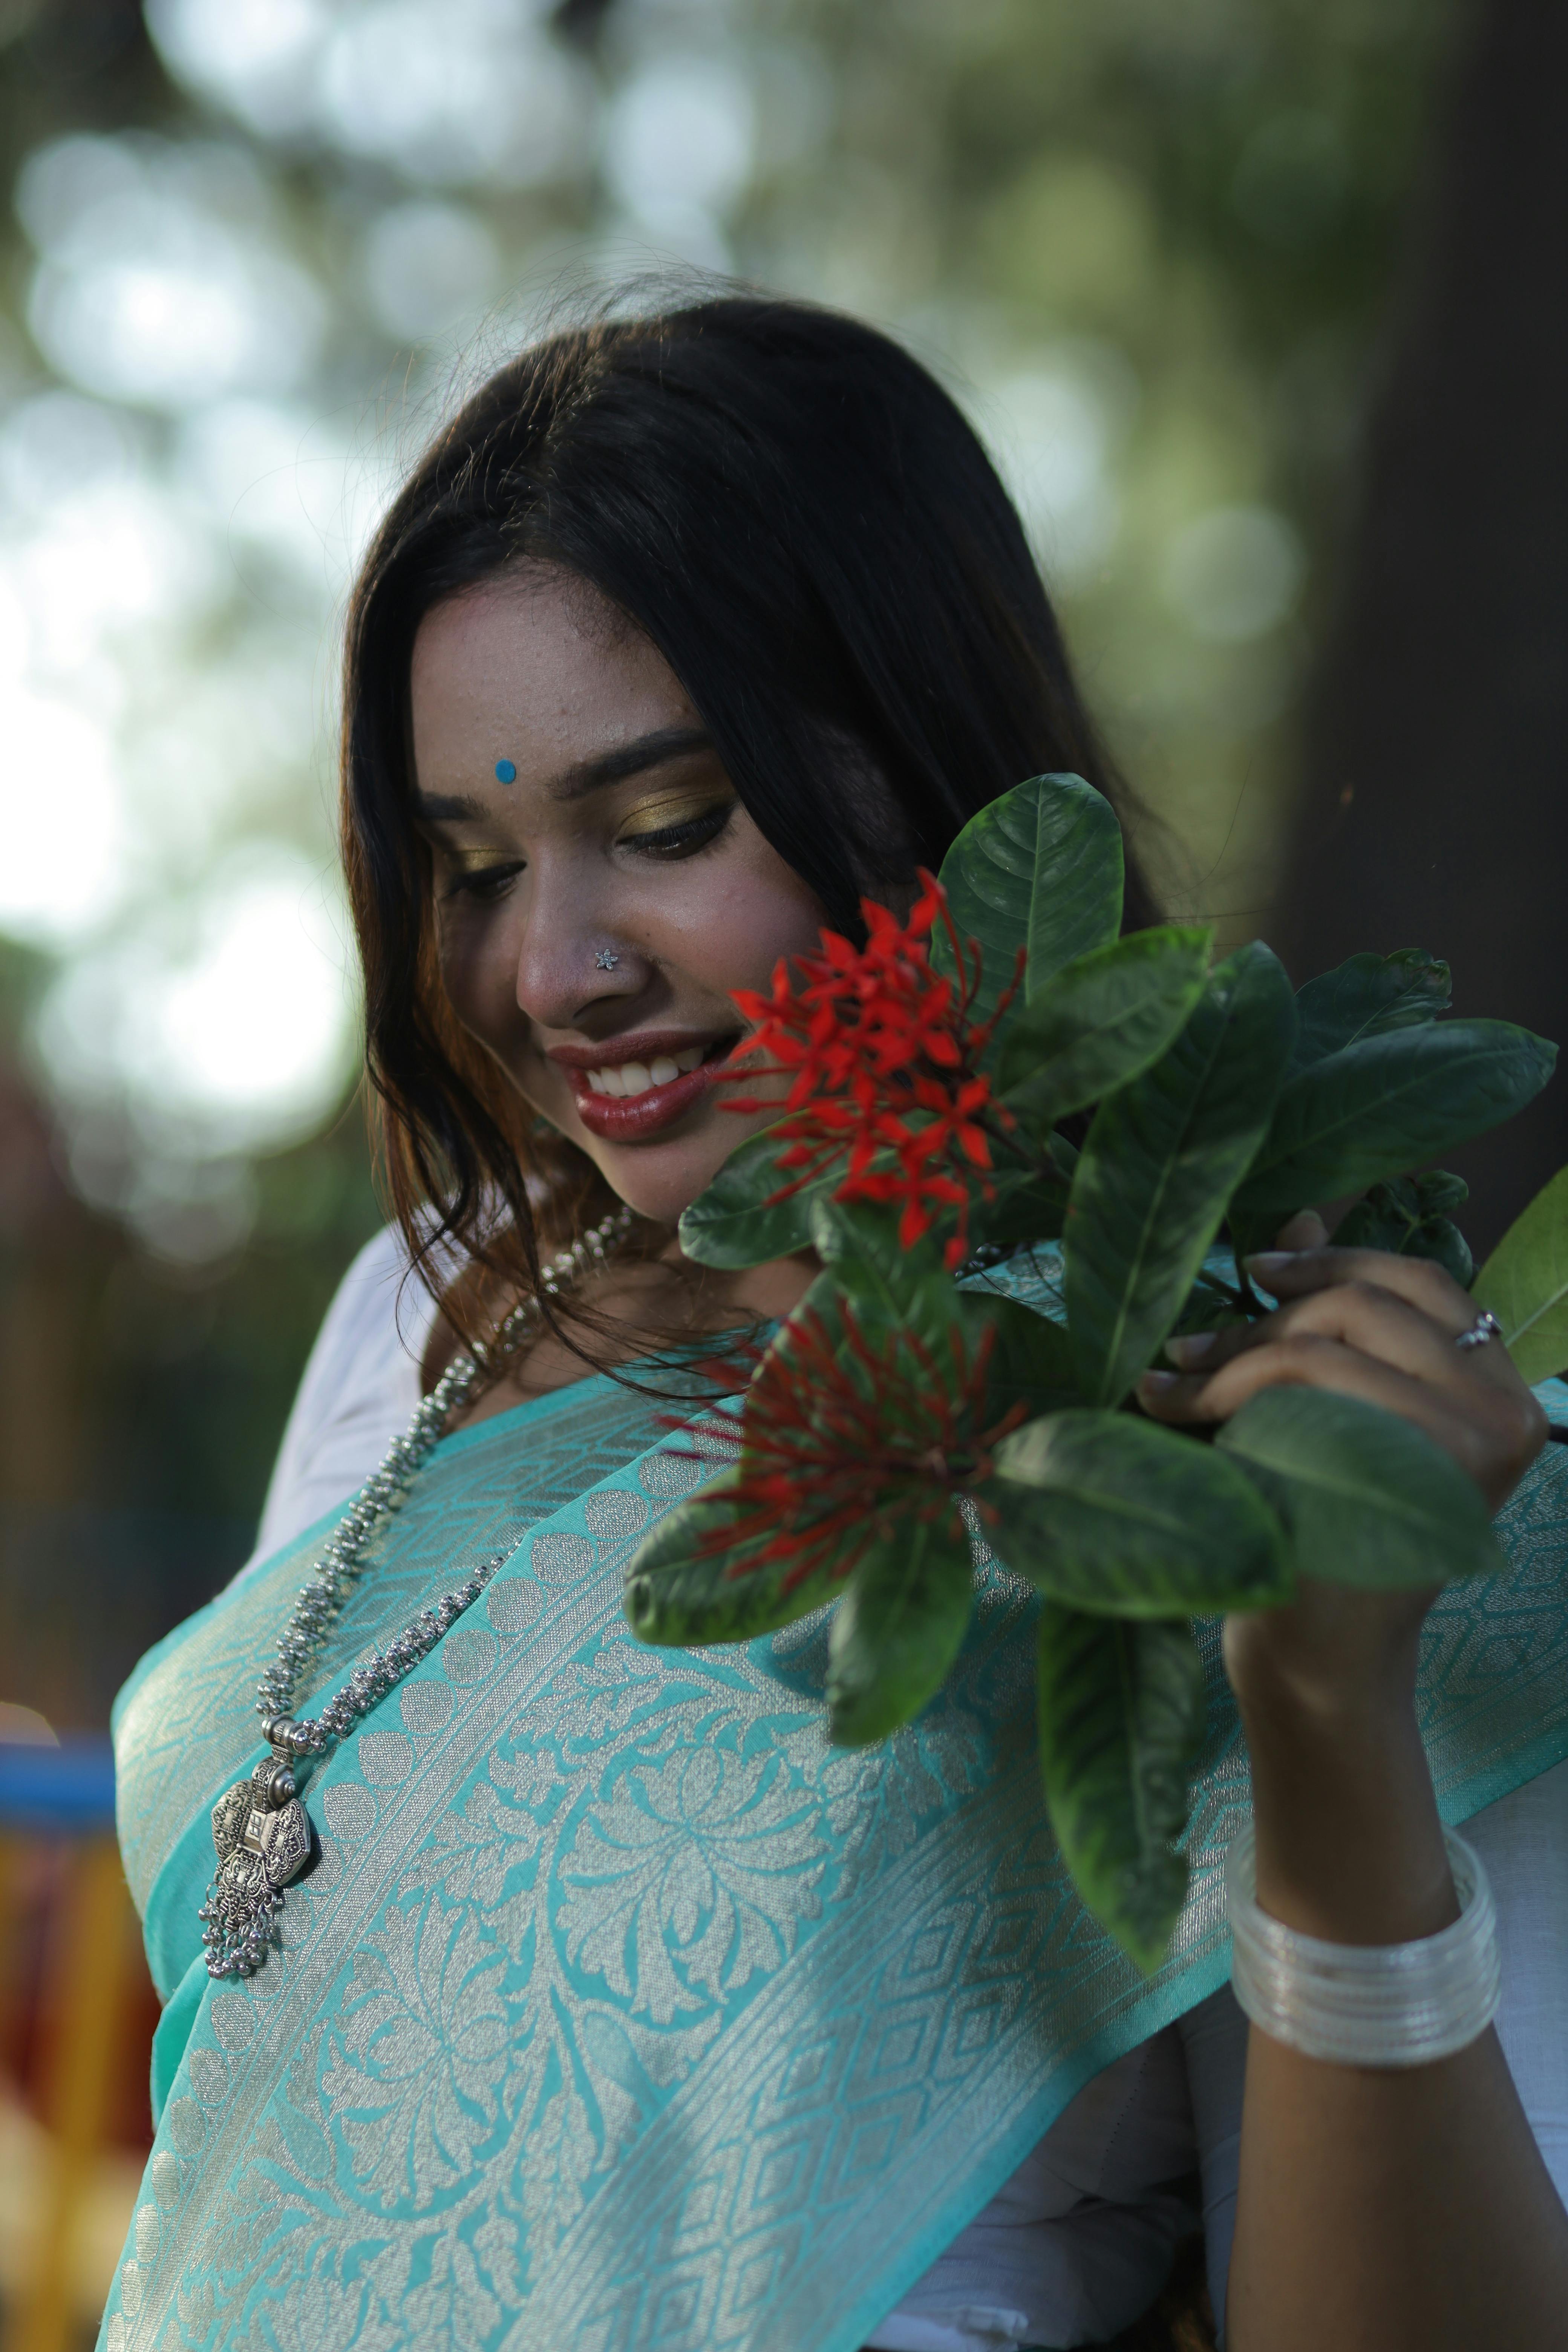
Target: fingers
1479 1430
1304 1231
1291 1273
1376 1321
1316 1358
1365 1342
1424 1288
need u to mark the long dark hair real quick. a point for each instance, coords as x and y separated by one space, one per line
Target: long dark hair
800 518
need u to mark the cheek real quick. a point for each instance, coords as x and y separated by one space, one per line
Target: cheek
730 927
479 973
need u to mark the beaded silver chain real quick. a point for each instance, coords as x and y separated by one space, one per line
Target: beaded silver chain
260 1828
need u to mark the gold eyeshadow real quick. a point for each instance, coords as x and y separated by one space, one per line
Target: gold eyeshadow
477 861
675 804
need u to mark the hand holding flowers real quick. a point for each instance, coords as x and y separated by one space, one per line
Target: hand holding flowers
899 1407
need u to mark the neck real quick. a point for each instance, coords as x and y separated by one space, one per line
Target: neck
636 1306
771 1291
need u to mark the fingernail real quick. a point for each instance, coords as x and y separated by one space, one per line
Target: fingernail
1157 1383
1191 1347
1263 1265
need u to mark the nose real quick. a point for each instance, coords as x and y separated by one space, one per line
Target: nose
570 957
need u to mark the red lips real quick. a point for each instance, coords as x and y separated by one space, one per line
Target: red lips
636 1119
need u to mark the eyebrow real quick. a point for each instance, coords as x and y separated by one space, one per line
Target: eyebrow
633 758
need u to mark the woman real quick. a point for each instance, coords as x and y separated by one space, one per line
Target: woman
618 2009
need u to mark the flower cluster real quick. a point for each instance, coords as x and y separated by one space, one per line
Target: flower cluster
882 1059
842 1440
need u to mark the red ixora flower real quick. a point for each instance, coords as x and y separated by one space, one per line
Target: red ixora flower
882 1058
842 1441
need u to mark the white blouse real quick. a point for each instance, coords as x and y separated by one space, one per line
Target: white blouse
1080 2241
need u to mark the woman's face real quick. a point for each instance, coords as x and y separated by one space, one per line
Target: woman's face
600 887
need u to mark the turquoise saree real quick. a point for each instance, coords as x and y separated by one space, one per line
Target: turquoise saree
620 2011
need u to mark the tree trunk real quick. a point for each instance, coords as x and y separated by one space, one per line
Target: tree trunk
1436 808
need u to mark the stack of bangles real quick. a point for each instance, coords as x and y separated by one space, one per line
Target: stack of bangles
1366 2004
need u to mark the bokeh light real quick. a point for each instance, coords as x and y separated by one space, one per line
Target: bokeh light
471 90
1054 428
62 815
198 1033
429 268
677 151
158 281
242 317
1234 572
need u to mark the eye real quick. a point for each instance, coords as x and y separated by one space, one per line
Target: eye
484 883
684 838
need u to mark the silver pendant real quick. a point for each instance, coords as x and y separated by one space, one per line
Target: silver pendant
262 1833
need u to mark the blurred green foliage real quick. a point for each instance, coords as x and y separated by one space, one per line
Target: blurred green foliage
1203 206
1151 247
141 1400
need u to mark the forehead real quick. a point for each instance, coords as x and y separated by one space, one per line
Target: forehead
538 669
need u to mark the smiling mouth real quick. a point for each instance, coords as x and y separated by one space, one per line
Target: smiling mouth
629 1078
625 1101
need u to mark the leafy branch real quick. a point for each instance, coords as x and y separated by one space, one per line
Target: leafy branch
897 1412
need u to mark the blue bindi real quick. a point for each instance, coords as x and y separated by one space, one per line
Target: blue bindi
505 771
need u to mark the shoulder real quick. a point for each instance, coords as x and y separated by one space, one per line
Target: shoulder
359 1388
369 1342
379 1308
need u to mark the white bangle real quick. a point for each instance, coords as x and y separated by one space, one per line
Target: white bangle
1366 2004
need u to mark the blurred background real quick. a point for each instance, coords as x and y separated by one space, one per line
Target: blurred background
1258 303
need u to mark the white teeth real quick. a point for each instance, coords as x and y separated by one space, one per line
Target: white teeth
636 1078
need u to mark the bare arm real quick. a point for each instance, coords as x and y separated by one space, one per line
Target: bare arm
1405 2208
1396 2210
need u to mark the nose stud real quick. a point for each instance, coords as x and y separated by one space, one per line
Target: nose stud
606 959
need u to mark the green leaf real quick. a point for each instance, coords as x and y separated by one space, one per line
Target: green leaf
890 1289
1103 1019
1367 1499
732 1223
1211 1305
1406 1217
899 1628
1121 1722
679 1592
823 1306
895 1292
1031 1361
1525 1283
1027 1204
1440 1240
1365 995
1128 1519
1385 1104
1162 1159
845 1231
909 1352
1438 1190
1040 868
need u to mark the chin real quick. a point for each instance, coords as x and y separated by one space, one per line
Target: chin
657 1184
658 1180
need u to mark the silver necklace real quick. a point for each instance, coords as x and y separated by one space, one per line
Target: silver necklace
260 1828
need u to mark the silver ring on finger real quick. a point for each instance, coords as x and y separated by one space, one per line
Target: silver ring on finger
1482 1331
